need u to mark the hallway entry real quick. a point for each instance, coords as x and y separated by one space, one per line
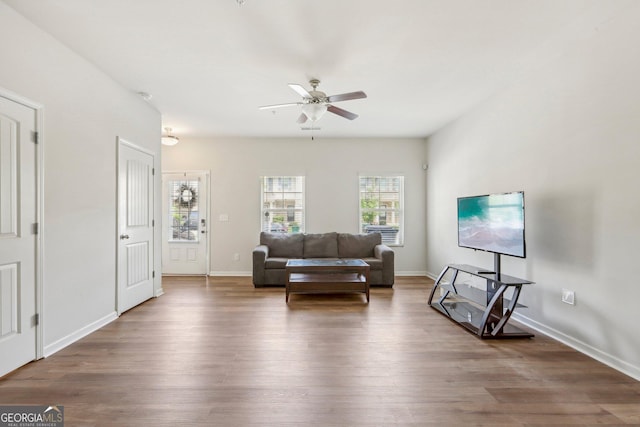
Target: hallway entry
185 249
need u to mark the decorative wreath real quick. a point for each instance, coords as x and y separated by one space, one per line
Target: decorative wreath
186 196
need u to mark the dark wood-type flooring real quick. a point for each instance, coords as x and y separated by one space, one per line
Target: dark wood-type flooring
218 352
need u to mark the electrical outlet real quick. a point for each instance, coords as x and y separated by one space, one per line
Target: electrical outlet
568 297
236 257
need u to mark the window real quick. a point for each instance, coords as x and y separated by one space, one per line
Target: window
282 204
184 211
382 207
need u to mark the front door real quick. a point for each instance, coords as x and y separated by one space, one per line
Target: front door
18 244
184 233
135 225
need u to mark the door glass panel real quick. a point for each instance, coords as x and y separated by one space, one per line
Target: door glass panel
184 213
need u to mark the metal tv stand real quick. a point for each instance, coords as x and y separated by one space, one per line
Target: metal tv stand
484 313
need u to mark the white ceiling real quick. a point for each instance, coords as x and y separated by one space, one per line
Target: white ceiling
210 63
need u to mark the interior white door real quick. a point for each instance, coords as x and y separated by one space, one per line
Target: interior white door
18 243
135 225
184 231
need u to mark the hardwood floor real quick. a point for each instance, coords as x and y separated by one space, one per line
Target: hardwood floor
219 352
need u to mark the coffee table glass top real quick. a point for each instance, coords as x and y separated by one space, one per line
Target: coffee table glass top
326 263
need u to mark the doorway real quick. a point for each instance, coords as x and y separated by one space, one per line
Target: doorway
20 214
135 225
185 207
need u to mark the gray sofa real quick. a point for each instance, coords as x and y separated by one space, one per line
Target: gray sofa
275 249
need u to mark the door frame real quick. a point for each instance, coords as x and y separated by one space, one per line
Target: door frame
207 180
119 142
39 168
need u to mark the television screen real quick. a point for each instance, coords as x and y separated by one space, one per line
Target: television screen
492 223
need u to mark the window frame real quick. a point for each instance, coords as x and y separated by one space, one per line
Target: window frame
386 212
297 225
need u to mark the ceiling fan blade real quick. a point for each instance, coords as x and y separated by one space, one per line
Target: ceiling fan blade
302 118
270 107
347 96
300 90
344 113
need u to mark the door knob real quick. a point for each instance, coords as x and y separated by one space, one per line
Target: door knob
124 236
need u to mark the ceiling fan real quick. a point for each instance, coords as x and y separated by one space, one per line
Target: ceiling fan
315 103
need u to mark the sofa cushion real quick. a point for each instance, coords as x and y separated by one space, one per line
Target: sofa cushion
283 245
357 245
374 263
276 262
323 245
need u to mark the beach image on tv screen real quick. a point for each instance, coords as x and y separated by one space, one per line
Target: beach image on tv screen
493 223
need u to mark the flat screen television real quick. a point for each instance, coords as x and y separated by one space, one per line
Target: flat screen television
493 223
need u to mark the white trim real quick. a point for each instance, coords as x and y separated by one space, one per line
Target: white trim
119 143
123 141
6 93
250 273
206 179
41 227
231 273
303 210
39 178
411 273
190 171
582 347
79 334
183 275
401 210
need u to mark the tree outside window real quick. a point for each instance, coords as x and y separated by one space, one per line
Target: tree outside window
381 207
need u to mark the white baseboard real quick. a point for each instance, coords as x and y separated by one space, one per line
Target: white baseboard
79 334
250 273
582 347
410 273
231 273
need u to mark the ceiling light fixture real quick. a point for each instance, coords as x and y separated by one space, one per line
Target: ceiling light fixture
314 110
169 139
240 2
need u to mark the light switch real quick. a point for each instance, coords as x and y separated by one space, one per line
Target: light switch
223 218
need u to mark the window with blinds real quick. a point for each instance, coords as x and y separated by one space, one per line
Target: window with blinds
282 201
184 211
382 207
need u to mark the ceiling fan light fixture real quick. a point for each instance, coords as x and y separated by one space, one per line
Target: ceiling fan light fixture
314 111
315 103
169 139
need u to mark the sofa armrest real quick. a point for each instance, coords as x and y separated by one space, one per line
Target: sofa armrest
260 255
386 254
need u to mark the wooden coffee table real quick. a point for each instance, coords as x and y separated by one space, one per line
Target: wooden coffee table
310 276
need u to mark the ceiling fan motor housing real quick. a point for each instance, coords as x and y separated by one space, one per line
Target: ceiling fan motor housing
317 97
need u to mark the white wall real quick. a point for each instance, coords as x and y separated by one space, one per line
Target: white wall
568 134
84 112
331 167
